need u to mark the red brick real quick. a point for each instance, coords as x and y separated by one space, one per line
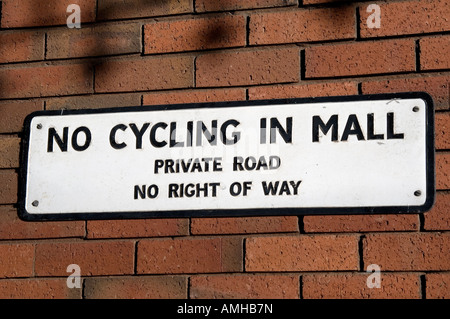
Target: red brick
408 251
94 41
197 96
305 2
195 34
244 225
93 101
442 130
137 228
220 5
362 58
304 25
245 287
119 9
30 13
9 152
304 90
443 171
407 17
11 227
360 223
94 258
13 113
137 287
23 46
438 218
438 286
437 86
144 74
9 187
37 289
198 255
354 286
434 52
45 80
16 260
248 67
302 253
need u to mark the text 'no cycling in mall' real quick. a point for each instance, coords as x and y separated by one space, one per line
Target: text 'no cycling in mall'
354 154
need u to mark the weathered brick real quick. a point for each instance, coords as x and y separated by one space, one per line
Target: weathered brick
354 286
137 287
144 74
119 9
438 218
9 187
23 46
304 25
137 228
9 152
408 251
111 39
303 91
220 5
248 67
197 96
362 58
31 13
195 34
16 260
434 52
437 86
94 258
45 80
302 253
443 171
442 130
13 113
244 225
407 17
37 289
245 287
360 223
11 227
438 285
93 101
198 255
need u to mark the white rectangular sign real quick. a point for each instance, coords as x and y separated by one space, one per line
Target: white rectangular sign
360 154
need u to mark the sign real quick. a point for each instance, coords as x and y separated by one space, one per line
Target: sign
359 154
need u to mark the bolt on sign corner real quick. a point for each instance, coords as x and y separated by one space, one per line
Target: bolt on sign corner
354 154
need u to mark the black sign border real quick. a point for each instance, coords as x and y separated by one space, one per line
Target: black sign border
430 164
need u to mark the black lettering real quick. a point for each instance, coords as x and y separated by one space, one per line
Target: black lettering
390 129
223 130
370 129
331 124
138 133
286 134
158 164
62 143
237 163
263 131
139 192
173 136
152 191
153 140
270 189
250 163
112 137
352 128
87 142
210 137
168 168
173 190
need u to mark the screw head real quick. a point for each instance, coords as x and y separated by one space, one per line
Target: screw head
417 193
39 126
416 109
35 203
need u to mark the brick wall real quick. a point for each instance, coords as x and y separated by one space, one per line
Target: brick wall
180 51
